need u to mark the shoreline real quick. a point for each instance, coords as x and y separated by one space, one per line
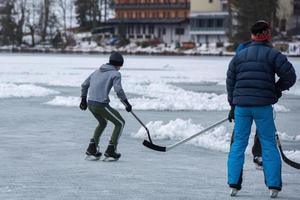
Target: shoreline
95 52
142 53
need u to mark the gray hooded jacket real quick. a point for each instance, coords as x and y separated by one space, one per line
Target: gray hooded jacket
99 84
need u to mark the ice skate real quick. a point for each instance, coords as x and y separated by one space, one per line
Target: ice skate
274 193
111 154
92 152
233 192
258 162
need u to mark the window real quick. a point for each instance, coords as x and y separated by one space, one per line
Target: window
164 31
220 23
179 31
138 30
200 23
210 23
151 29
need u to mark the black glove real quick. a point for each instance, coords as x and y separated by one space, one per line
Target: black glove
278 93
231 114
83 103
128 106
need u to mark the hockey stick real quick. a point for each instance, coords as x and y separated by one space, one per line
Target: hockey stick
140 121
167 148
284 158
148 133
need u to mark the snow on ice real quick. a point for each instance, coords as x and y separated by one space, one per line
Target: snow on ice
8 90
208 101
217 139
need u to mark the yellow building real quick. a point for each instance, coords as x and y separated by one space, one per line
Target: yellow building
207 20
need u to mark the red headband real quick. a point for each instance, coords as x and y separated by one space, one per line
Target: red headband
266 35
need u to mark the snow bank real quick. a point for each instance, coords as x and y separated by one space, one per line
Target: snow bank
295 90
64 101
205 101
216 139
8 90
286 137
165 97
293 155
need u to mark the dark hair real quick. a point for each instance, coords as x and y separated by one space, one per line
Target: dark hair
260 27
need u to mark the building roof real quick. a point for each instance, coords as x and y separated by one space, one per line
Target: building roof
147 21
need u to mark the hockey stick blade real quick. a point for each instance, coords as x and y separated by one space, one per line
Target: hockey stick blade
284 158
288 161
154 146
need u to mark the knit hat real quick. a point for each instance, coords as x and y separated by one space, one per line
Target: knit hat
261 31
116 59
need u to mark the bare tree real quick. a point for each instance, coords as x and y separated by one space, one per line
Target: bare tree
63 5
32 19
44 19
71 7
20 15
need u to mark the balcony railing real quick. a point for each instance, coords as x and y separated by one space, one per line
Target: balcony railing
207 28
153 6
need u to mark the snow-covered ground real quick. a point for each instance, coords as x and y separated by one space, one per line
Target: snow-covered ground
44 134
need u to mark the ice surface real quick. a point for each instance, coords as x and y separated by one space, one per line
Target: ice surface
42 146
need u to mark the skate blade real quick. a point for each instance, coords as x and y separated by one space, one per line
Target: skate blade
92 158
110 159
233 192
273 194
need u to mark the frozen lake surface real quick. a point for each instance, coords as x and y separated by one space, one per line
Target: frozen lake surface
44 134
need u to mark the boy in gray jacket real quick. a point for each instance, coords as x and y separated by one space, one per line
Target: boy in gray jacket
98 85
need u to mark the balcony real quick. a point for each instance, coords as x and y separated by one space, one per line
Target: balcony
153 6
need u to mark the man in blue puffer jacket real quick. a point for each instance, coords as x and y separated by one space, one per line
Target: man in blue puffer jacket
252 90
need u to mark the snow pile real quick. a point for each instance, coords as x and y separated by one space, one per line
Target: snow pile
295 90
286 137
158 96
280 108
293 155
216 139
8 90
64 101
209 102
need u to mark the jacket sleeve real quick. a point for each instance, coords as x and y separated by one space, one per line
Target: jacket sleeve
285 71
231 80
118 86
85 86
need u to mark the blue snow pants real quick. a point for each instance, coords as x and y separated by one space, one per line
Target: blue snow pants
263 117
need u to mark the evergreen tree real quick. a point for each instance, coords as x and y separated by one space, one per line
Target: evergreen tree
248 12
8 26
88 13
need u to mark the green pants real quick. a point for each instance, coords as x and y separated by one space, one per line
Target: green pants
104 114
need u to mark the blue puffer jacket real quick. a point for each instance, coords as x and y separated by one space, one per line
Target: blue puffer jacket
251 76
